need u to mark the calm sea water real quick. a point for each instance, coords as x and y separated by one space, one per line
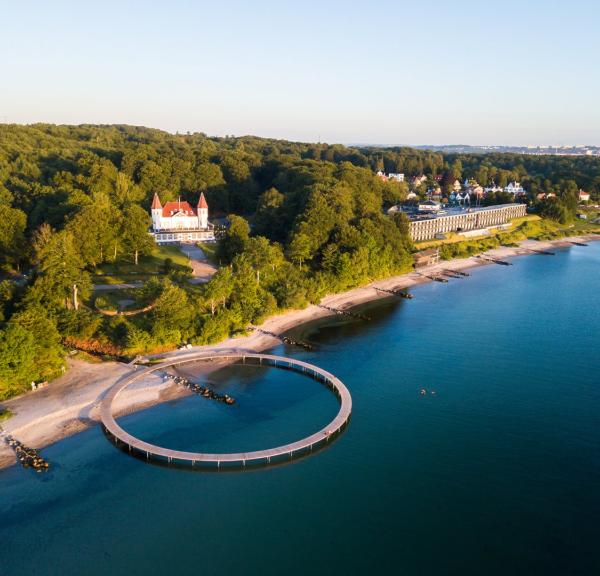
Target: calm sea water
497 473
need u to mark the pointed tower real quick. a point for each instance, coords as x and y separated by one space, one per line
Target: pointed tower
202 212
156 212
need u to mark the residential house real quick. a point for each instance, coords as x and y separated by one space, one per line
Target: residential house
583 196
396 177
515 188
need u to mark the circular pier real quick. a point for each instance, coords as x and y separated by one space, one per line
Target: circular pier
239 459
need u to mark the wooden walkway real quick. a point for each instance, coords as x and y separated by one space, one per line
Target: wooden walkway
240 459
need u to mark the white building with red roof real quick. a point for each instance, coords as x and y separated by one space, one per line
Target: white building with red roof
583 196
179 221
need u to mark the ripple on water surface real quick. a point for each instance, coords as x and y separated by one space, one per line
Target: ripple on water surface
497 473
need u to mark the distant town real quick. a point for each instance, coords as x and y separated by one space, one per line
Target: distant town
565 150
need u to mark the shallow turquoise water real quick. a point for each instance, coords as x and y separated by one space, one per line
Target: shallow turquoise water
497 473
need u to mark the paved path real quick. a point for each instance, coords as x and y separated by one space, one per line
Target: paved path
239 458
202 269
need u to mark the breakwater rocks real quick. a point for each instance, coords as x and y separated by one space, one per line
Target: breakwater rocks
434 278
28 457
400 293
340 312
284 339
451 274
495 260
202 390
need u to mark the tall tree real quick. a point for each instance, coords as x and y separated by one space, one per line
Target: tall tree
17 359
96 229
263 256
12 235
235 238
300 249
219 288
134 233
61 269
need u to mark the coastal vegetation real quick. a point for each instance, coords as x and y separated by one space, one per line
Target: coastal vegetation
296 221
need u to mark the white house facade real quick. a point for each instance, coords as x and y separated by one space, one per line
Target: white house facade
515 188
180 222
583 196
396 176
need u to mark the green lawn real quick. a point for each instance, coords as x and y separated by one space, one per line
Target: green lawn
124 269
110 299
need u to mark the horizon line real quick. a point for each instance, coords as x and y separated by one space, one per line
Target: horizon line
351 144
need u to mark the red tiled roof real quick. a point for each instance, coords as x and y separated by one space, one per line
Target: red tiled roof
202 201
171 208
156 202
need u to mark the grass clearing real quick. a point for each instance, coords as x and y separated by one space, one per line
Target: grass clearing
125 299
124 270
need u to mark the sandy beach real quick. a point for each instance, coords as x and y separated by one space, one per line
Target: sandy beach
71 403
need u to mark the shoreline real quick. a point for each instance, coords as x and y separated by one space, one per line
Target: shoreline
71 403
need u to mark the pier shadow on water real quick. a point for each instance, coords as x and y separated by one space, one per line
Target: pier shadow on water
229 467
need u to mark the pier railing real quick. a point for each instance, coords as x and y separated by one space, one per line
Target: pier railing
238 459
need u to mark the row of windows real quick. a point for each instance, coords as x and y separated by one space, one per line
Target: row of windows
426 229
180 225
184 236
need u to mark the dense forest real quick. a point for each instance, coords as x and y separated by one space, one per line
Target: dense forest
302 220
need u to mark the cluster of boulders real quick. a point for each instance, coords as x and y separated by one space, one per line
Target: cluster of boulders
28 457
203 390
407 295
285 339
341 312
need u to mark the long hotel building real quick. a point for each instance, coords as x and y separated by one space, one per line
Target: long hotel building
426 228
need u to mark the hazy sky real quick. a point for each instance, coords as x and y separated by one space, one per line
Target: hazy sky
419 72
